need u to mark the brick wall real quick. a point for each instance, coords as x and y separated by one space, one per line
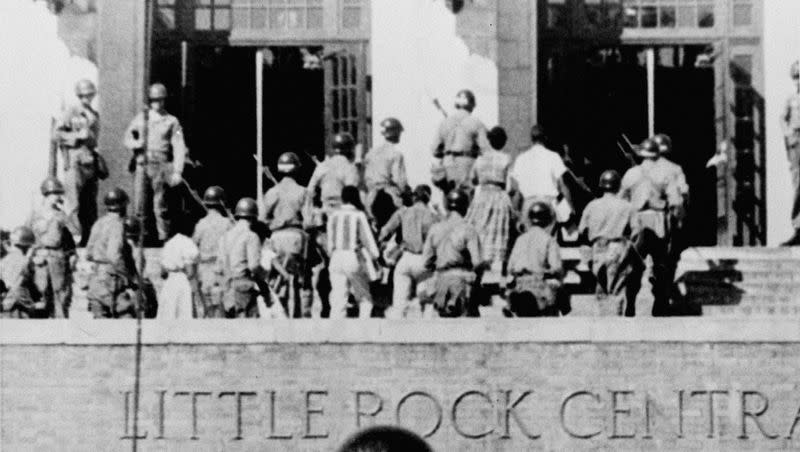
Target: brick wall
505 385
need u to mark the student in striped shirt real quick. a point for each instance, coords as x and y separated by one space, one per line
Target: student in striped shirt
350 244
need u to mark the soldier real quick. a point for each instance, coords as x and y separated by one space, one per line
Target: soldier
76 132
790 123
460 138
283 213
239 262
331 176
351 247
677 213
112 256
18 294
653 194
411 225
166 154
608 225
385 174
535 266
453 250
206 236
54 253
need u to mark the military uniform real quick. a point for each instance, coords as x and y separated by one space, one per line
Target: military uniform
609 223
384 170
652 192
327 181
77 133
18 294
453 250
283 212
459 140
239 260
115 270
52 256
536 269
790 121
206 236
412 225
166 154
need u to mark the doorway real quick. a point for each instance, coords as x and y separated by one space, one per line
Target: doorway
594 99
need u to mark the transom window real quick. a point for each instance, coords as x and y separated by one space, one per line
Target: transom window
212 15
278 14
669 13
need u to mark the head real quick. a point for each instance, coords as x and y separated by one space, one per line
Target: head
351 195
116 200
157 97
343 144
22 238
288 164
497 137
214 197
465 100
537 134
648 149
85 92
391 129
540 214
609 181
664 143
53 192
457 201
385 439
246 210
422 194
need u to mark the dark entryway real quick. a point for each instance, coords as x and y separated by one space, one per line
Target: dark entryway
592 100
218 110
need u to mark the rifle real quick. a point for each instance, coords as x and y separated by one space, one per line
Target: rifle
312 157
439 106
266 171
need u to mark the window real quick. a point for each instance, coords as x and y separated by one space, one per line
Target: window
556 14
742 13
352 11
212 15
669 14
165 14
278 14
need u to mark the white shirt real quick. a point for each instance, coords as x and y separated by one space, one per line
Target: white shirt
537 172
179 253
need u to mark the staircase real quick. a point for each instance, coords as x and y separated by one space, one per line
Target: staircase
741 281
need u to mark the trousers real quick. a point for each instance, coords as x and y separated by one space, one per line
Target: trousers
410 277
348 277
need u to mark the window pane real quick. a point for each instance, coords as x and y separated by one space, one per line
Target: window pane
166 17
345 104
351 17
705 16
667 17
335 103
649 17
203 2
222 19
631 17
258 18
314 18
353 103
277 18
344 77
202 19
742 15
294 18
241 18
335 70
166 2
222 3
353 70
686 16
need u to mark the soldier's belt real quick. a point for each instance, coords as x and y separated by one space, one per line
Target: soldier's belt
460 153
208 260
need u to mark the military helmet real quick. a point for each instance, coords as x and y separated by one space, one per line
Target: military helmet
85 87
465 99
157 91
246 208
214 196
391 127
609 181
664 143
116 200
22 236
288 163
51 185
648 148
343 142
457 201
794 71
540 214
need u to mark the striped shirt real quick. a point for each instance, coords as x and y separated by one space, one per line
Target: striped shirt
348 230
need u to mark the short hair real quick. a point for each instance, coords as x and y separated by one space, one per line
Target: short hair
537 134
385 439
351 195
497 137
470 98
422 193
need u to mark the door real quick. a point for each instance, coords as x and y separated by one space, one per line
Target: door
346 92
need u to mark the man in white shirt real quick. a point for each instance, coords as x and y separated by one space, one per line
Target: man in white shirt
538 175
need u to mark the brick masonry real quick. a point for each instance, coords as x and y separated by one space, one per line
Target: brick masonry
500 385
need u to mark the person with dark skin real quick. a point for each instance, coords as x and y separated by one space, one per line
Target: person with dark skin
385 439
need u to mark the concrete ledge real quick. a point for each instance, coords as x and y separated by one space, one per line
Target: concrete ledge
379 331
